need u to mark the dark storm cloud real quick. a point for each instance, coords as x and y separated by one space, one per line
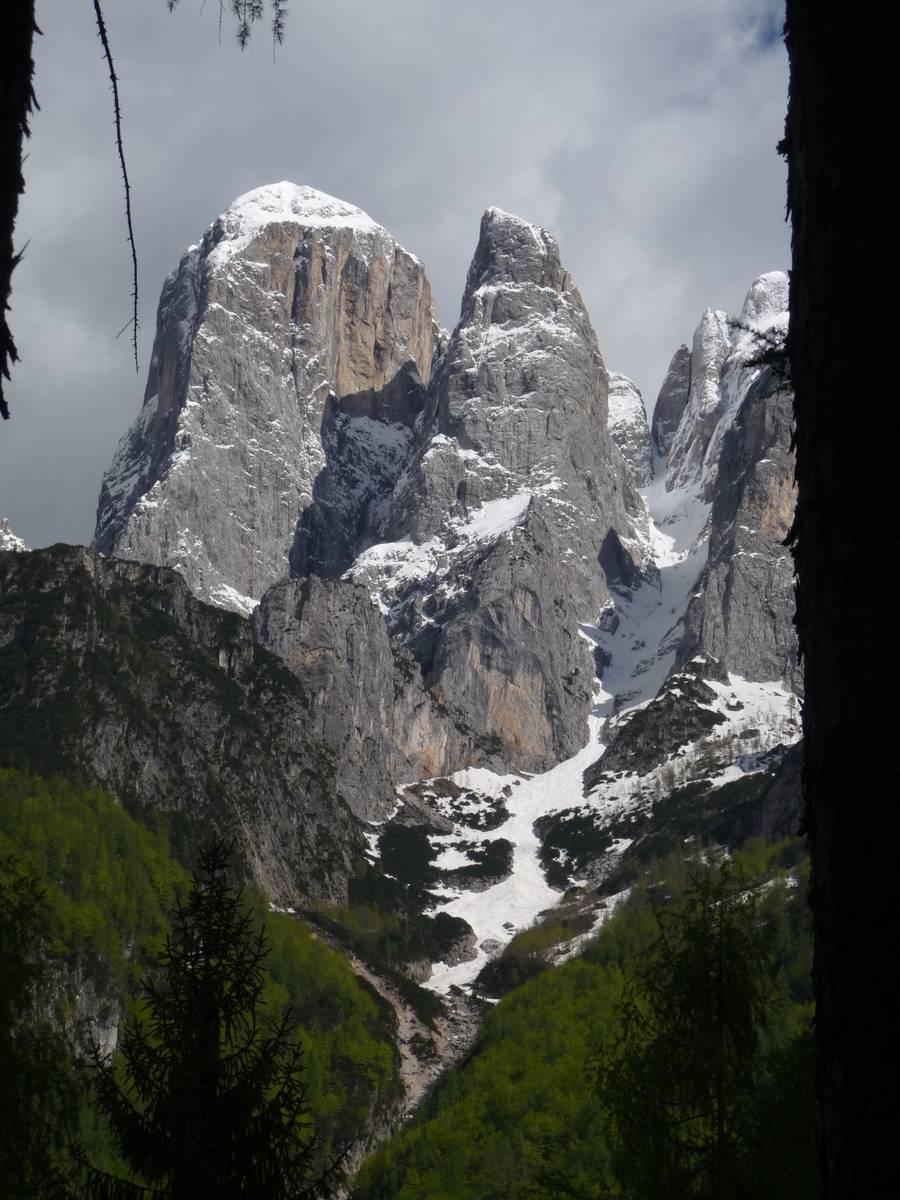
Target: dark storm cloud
642 135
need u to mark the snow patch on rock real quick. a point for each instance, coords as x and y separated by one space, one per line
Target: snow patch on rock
8 540
274 203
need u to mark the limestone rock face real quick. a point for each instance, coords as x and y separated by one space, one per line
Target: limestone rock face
115 671
703 409
726 357
514 504
291 297
629 429
367 699
721 611
8 540
671 401
742 610
518 398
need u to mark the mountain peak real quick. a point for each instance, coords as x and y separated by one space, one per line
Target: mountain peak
628 427
291 297
499 216
8 540
285 202
512 250
766 301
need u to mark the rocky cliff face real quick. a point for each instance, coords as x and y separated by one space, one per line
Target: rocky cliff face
291 297
741 612
446 540
483 507
629 430
114 670
515 509
723 502
671 401
367 699
8 539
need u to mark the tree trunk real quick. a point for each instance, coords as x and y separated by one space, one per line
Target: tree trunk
17 29
841 141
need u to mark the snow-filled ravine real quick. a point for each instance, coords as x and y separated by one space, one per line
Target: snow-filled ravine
639 633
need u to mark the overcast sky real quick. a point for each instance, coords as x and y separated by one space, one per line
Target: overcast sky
641 133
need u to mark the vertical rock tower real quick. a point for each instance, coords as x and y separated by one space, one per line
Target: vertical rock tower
291 298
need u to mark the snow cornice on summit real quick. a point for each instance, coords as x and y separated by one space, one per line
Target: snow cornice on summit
284 203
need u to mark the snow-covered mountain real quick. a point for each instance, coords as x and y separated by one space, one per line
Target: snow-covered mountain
696 708
8 539
290 298
533 628
629 429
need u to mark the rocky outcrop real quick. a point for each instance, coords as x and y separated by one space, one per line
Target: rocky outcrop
519 400
290 298
497 529
681 713
114 671
671 401
703 409
742 611
700 665
629 429
727 356
8 539
366 699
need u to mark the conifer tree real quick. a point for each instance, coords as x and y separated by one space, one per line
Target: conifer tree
38 1082
206 1099
678 1086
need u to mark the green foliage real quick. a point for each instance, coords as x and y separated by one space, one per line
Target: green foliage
677 1080
389 941
106 879
522 1117
487 1131
382 924
108 884
208 1100
39 1091
345 1030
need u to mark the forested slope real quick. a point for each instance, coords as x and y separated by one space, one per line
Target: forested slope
528 1114
109 884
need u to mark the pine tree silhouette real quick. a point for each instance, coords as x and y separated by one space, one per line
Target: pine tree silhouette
206 1099
678 1085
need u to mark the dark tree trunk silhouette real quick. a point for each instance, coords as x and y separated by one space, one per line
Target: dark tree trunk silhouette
17 30
16 101
840 140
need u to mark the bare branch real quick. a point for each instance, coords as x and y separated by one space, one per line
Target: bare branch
113 79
